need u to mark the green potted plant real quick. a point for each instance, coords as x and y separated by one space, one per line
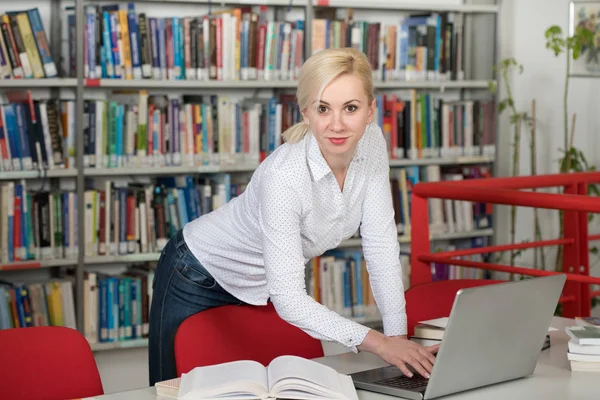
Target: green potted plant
573 159
517 120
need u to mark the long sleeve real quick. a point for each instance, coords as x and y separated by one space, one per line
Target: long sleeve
280 210
380 244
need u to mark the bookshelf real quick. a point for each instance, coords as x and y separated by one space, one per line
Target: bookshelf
437 6
38 174
153 256
171 170
186 84
208 169
79 88
38 83
24 265
137 343
442 86
355 242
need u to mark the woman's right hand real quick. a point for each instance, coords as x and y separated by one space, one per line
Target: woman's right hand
401 352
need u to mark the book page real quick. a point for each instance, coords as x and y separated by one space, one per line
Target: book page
299 389
235 379
301 375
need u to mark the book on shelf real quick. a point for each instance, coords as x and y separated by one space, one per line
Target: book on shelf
286 377
241 43
446 216
128 219
418 47
48 303
140 218
339 280
37 224
441 271
24 47
33 135
245 43
135 129
160 209
421 125
116 307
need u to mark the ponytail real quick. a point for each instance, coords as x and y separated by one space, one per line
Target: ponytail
295 132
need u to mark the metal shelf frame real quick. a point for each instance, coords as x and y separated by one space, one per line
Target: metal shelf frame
210 169
81 86
217 3
93 261
369 320
408 6
182 84
64 83
38 174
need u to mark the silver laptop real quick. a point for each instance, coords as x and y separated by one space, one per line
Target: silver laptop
494 334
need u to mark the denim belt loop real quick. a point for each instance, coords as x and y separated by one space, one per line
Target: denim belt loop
180 241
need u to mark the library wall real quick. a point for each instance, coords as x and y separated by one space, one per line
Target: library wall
543 80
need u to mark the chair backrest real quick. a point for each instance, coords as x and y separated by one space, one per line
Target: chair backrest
434 299
50 362
231 333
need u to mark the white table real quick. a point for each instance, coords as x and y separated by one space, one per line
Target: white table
552 378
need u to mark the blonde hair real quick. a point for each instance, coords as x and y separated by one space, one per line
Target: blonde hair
320 70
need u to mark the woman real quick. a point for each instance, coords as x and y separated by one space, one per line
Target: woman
330 177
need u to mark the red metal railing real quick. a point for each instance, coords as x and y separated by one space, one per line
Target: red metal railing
574 202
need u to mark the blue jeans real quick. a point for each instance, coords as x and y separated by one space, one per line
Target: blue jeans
181 288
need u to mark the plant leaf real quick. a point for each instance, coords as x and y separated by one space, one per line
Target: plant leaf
502 106
554 40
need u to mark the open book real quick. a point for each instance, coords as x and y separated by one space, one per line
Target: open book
286 377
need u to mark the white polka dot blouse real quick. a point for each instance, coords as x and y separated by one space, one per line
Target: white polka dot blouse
257 245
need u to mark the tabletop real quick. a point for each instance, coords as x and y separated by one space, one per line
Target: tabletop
552 378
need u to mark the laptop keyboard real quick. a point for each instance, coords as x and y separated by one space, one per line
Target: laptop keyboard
404 382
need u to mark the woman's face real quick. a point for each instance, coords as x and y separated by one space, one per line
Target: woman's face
339 119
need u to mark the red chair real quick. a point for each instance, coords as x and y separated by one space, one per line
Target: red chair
434 299
49 362
231 333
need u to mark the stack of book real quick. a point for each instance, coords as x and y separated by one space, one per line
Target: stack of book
584 344
430 332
